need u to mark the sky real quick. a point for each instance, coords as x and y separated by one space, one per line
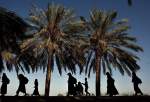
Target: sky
138 16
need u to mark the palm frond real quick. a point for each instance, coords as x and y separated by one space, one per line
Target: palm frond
110 38
58 64
1 64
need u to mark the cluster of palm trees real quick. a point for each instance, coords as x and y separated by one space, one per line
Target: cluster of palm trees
56 34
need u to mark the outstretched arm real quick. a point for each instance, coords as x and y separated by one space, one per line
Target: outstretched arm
83 83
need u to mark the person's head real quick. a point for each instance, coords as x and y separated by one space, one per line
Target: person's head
69 74
36 80
85 79
107 73
79 82
21 76
4 74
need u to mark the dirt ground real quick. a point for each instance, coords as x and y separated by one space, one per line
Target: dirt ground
75 99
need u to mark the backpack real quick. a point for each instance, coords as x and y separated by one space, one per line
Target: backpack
7 81
74 80
138 80
25 80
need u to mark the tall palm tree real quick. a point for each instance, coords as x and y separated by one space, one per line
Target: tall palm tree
110 45
56 36
12 29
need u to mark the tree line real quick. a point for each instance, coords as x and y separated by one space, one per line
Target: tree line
99 42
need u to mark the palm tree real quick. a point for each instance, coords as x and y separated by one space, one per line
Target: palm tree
110 45
56 36
12 29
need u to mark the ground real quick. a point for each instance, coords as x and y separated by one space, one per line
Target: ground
75 99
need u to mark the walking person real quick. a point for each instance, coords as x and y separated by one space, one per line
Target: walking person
86 87
111 89
136 81
5 82
71 85
22 82
36 91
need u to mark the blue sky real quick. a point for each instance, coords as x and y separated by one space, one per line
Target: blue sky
138 16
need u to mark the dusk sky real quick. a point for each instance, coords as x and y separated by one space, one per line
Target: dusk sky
138 15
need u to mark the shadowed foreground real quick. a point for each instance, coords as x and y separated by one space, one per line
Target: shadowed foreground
75 99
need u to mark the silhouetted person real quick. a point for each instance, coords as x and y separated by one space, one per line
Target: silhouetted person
5 81
111 89
71 85
136 81
86 87
22 82
36 92
79 88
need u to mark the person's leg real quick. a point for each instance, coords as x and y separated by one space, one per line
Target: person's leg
2 95
86 91
135 93
3 89
68 93
69 89
17 92
38 94
88 94
110 94
140 91
136 89
25 94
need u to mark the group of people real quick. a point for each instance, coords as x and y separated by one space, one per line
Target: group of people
22 82
111 89
76 89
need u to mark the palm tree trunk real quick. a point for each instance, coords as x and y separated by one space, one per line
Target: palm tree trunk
98 72
48 77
